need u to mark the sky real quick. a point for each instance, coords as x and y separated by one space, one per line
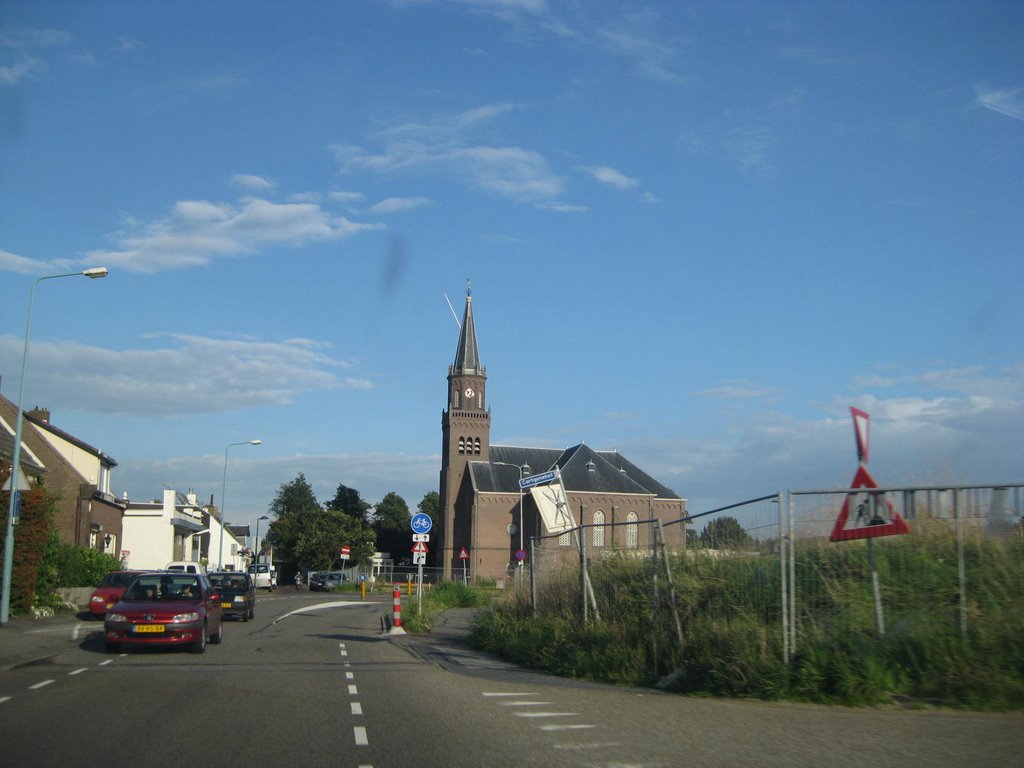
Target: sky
696 232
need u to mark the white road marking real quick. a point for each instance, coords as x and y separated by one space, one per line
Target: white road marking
589 745
357 708
78 671
525 703
360 734
499 693
318 606
353 691
40 685
108 661
546 714
74 632
4 698
350 675
565 727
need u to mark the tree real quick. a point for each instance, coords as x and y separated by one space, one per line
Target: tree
347 500
391 524
292 507
724 533
322 535
430 505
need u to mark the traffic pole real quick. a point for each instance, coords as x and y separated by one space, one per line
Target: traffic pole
396 611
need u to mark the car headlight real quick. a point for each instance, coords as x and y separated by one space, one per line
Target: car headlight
97 599
181 617
117 617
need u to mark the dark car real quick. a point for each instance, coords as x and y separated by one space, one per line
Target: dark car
325 582
109 591
237 593
166 609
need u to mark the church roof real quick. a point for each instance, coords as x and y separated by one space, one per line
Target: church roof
467 355
583 470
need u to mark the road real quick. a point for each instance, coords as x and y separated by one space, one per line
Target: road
313 682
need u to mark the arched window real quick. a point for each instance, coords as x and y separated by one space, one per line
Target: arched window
462 445
476 445
598 529
632 531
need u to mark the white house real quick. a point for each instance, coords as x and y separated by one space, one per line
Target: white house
177 528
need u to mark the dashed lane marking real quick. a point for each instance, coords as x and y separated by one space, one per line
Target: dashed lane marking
42 684
546 714
357 708
577 727
353 690
78 671
360 736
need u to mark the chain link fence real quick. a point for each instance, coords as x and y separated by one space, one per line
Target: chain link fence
763 573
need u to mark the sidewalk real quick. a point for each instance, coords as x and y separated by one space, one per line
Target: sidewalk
24 639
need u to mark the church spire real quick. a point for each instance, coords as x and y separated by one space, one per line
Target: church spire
467 356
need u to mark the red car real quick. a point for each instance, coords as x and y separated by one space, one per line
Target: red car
109 591
166 609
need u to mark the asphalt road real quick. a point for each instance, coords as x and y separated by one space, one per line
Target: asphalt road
313 682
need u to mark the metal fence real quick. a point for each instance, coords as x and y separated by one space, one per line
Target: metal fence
765 568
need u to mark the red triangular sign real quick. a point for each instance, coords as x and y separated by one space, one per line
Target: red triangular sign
463 553
873 514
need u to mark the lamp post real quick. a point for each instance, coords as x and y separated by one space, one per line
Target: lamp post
524 470
223 504
12 509
256 542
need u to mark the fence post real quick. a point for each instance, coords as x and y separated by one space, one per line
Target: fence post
783 540
671 585
533 577
961 565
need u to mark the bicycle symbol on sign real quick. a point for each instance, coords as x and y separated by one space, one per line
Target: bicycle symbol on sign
421 523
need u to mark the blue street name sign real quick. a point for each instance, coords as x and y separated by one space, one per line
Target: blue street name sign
532 480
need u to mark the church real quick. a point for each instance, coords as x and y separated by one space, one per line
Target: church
487 518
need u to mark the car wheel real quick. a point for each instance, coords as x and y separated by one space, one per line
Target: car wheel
219 637
200 645
252 613
245 616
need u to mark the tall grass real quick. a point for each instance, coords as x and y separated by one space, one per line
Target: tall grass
730 610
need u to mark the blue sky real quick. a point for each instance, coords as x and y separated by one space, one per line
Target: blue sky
697 233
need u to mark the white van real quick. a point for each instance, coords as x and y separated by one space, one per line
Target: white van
264 576
185 566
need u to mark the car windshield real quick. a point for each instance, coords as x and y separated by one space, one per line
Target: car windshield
117 579
164 587
229 581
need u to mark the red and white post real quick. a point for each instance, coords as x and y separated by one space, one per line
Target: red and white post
396 611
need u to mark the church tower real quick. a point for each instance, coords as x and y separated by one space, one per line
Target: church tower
466 434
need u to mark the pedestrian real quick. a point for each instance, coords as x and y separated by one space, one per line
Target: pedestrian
298 579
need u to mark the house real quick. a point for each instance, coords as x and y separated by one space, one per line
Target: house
176 528
76 473
487 519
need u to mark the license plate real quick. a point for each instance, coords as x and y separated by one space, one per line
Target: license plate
148 628
225 605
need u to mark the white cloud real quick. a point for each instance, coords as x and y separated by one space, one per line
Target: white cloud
611 177
448 146
198 232
1005 101
10 262
398 204
180 374
251 182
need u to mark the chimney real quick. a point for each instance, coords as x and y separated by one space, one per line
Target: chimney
39 414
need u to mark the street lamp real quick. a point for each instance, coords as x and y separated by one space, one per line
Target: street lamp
12 509
256 541
223 491
524 470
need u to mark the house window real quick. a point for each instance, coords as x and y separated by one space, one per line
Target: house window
632 531
598 529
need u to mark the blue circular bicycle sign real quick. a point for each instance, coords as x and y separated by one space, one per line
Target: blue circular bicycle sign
421 523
